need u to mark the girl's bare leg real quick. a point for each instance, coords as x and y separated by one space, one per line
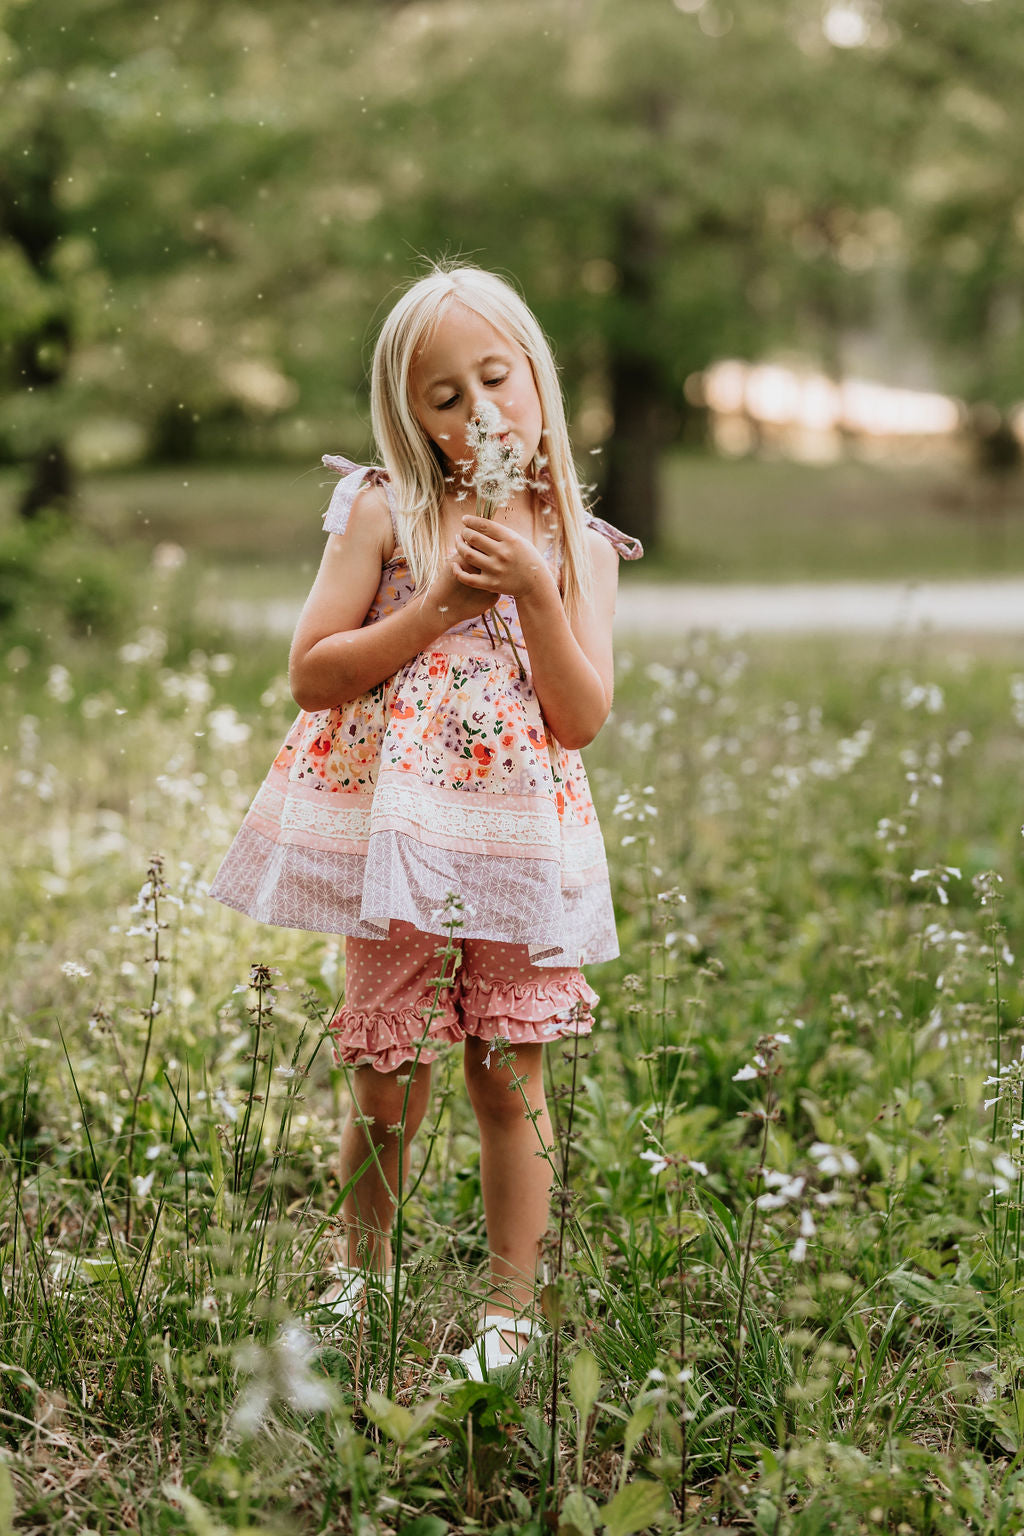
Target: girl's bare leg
369 1207
514 1175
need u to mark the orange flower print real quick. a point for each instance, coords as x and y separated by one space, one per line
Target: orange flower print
482 753
534 736
507 739
321 746
400 710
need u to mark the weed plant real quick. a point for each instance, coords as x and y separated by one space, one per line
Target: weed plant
782 1285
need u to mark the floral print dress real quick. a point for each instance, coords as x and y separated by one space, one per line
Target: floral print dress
444 778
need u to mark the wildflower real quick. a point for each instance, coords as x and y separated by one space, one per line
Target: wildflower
497 472
72 968
657 1162
142 1185
744 1074
785 1190
697 1166
1010 1080
58 684
833 1160
225 728
280 1372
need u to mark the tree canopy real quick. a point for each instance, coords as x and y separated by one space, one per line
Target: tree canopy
203 209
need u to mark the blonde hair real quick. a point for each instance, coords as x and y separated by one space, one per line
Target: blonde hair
410 458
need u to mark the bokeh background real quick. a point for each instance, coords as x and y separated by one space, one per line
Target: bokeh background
777 245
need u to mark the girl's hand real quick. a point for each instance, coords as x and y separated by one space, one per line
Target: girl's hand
493 555
453 601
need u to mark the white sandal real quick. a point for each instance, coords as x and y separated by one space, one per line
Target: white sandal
342 1297
487 1351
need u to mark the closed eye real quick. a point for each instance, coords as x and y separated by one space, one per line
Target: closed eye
497 381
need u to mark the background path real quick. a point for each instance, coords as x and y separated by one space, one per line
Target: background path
994 606
985 606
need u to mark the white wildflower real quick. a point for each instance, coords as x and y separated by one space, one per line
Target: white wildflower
833 1160
72 968
280 1373
497 473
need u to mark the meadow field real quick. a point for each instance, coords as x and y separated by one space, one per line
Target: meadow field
783 1282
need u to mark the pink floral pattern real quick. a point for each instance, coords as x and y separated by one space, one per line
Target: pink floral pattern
443 778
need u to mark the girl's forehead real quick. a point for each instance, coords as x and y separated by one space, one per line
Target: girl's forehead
459 331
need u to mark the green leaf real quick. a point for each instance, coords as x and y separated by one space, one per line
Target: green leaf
551 1305
425 1525
691 1224
216 1175
400 1424
578 1515
637 1505
637 1427
6 1501
584 1384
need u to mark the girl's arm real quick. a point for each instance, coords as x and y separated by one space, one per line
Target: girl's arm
333 658
570 659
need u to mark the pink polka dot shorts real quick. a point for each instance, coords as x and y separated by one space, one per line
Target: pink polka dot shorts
497 994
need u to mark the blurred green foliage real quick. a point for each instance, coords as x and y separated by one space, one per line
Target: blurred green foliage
203 209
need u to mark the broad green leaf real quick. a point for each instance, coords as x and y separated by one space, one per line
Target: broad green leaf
551 1305
396 1421
636 1427
92 1270
634 1507
584 1384
578 1515
6 1501
425 1525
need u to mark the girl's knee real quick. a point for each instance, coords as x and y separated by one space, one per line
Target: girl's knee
509 1088
381 1096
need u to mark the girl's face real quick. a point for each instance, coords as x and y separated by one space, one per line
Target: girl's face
465 362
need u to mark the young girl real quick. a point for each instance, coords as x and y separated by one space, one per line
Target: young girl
426 761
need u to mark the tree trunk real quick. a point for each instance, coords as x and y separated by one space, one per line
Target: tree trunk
632 499
646 416
31 215
50 484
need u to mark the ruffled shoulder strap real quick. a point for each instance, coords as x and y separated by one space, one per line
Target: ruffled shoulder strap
353 478
624 544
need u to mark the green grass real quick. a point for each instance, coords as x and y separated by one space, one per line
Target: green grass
798 788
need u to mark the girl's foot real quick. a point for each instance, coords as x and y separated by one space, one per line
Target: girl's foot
342 1297
497 1342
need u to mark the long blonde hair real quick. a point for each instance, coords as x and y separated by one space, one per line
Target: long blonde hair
411 461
